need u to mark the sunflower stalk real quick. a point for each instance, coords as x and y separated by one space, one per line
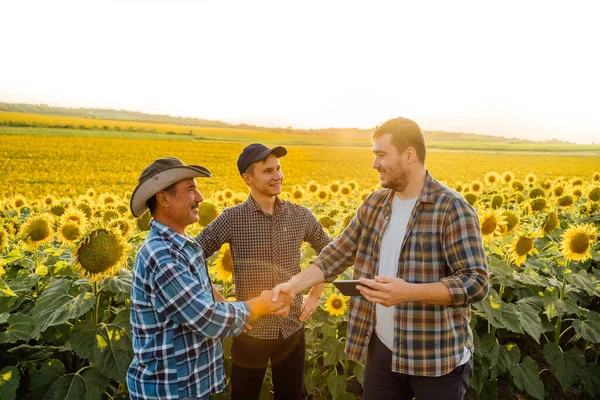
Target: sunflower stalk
557 333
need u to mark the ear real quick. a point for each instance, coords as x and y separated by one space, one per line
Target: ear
411 154
162 199
247 179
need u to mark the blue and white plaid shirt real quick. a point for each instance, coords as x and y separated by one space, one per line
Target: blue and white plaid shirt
175 323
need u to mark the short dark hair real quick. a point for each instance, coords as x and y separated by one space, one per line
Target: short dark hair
152 202
405 133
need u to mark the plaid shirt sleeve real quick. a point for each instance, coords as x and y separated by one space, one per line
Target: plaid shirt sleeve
341 252
178 295
315 234
463 247
212 236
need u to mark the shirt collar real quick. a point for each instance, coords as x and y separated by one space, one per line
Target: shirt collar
251 203
169 234
427 195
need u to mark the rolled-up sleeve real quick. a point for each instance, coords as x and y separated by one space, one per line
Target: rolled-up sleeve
178 295
465 256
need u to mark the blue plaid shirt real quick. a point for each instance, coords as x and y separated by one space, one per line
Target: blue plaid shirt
175 323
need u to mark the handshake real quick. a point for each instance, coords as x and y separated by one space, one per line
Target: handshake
265 305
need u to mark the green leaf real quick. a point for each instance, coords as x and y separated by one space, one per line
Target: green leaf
500 268
56 305
489 349
334 352
14 255
120 283
311 379
336 384
489 391
4 318
590 376
88 385
508 357
358 371
584 281
567 366
526 378
9 382
531 278
44 378
20 327
30 356
107 346
589 329
530 321
6 291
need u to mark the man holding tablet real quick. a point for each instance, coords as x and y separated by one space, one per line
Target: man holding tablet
417 251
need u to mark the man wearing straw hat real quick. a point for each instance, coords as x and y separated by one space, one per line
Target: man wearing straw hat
176 324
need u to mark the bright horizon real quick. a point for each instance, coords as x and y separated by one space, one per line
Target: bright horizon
514 69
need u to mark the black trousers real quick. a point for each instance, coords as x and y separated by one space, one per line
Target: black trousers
382 384
250 357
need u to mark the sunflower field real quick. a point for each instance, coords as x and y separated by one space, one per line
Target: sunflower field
67 244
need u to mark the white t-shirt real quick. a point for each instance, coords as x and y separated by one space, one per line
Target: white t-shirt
389 256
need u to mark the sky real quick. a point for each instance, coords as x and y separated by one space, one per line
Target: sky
526 69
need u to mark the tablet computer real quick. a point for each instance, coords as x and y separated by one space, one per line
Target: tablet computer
347 287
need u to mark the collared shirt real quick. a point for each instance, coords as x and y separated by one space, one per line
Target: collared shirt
266 251
442 243
175 323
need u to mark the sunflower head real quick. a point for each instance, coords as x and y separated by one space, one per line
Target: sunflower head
458 187
108 199
558 190
353 184
520 247
507 177
594 194
326 222
491 222
322 195
491 178
497 201
530 179
334 187
551 222
75 216
49 200
512 220
596 176
100 253
576 182
3 240
536 192
345 190
19 202
207 212
58 209
239 198
86 209
476 187
36 231
565 200
538 204
336 305
519 197
297 193
143 222
312 187
223 265
577 192
577 241
347 219
69 232
471 198
518 185
91 193
108 215
227 194
122 225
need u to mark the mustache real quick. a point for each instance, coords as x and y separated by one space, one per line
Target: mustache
194 206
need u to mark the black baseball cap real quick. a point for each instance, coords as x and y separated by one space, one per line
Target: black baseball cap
256 152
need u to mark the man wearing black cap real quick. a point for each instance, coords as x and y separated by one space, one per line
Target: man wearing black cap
265 235
176 324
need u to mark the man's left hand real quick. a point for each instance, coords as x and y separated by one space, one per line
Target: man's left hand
385 290
309 305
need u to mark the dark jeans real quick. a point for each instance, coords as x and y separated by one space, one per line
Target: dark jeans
381 383
250 357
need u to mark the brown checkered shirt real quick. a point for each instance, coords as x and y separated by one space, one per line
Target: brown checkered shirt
266 251
442 243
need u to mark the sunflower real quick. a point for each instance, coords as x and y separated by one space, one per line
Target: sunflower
521 246
100 253
596 176
353 184
220 197
49 200
298 193
551 222
19 201
334 187
108 199
536 192
86 209
122 225
458 187
91 193
322 195
364 195
507 177
326 222
239 198
518 185
577 192
345 190
530 179
108 215
491 178
538 204
347 219
207 212
546 185
58 209
3 239
312 187
497 201
558 190
576 182
336 305
565 200
594 194
512 220
75 216
69 232
577 241
143 222
476 186
491 222
36 231
471 198
227 194
224 264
